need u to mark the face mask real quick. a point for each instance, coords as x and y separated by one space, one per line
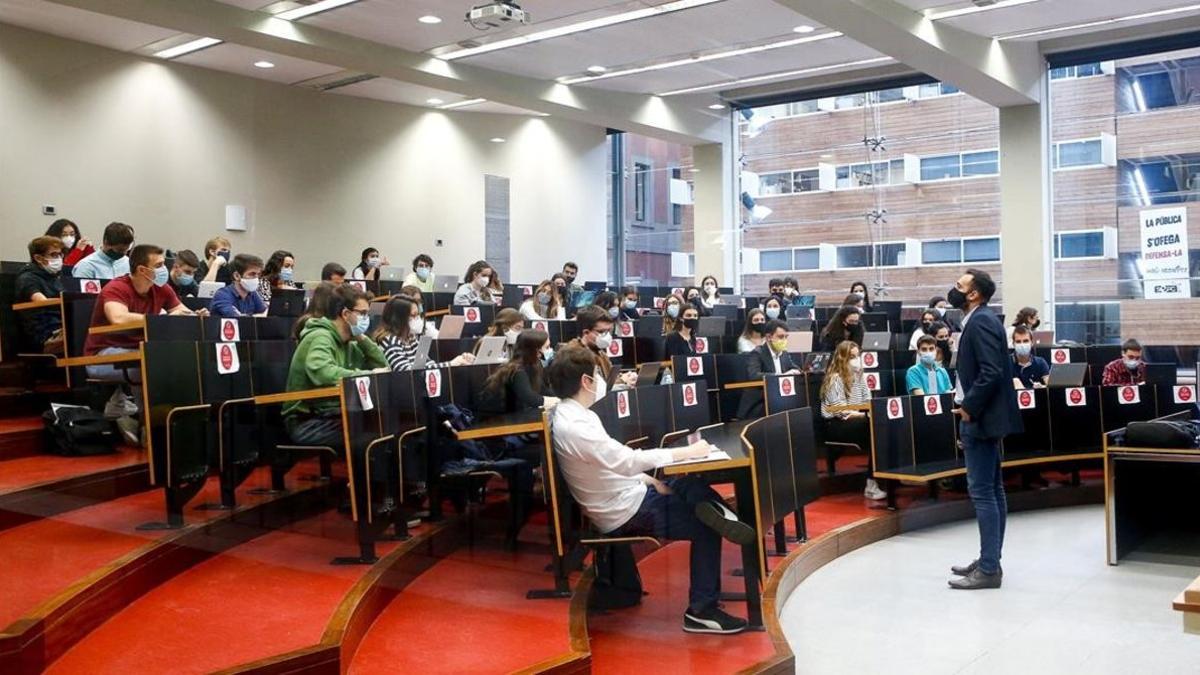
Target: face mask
944 345
756 327
69 242
360 326
601 387
613 312
772 313
673 311
547 356
691 324
928 358
860 294
161 275
421 310
373 262
603 340
287 274
483 281
693 297
510 336
1132 364
956 298
856 364
113 255
224 254
631 305
185 280
250 285
416 325
1023 348
54 265
926 325
710 289
940 310
1035 324
543 298
854 329
423 273
779 346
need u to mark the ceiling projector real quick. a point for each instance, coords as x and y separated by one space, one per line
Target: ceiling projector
496 14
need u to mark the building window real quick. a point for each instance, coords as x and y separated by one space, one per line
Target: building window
941 251
981 250
1074 72
941 167
889 255
965 165
641 187
853 256
807 259
851 101
806 180
985 163
775 183
775 261
936 89
1079 244
1070 154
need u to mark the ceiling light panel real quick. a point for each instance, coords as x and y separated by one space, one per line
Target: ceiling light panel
974 9
1101 22
304 11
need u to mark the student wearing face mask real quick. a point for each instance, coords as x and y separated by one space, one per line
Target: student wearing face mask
771 358
1028 317
543 304
421 275
682 342
927 376
844 325
76 247
1032 372
1129 369
217 254
629 304
928 318
859 289
775 289
611 484
508 324
520 384
183 274
672 313
752 336
773 309
791 289
369 263
399 332
855 300
476 285
595 333
609 302
41 279
240 297
280 272
110 261
941 305
332 347
845 385
709 293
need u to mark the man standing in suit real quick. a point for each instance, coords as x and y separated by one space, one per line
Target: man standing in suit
988 409
771 358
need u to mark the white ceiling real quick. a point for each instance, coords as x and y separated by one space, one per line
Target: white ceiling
240 60
79 25
1046 14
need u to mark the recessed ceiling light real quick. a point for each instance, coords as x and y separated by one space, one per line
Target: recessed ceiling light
435 101
315 8
716 106
596 69
497 140
430 19
803 29
187 47
263 64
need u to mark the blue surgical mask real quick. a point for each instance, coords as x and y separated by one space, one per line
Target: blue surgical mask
287 274
547 356
1132 364
928 358
772 313
250 285
543 298
423 273
161 275
613 312
631 305
673 311
360 327
185 280
1023 348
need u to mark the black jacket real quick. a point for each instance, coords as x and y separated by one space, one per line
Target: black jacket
986 374
759 363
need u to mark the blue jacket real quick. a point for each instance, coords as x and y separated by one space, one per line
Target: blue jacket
985 372
227 304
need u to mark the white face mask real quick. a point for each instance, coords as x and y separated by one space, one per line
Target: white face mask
600 385
373 261
250 285
416 325
856 364
54 265
483 281
68 242
710 289
603 341
510 336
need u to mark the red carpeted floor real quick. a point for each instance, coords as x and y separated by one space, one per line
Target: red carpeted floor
23 472
268 596
468 613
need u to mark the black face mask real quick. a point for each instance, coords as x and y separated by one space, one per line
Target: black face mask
925 325
855 332
944 345
1036 323
757 328
691 324
956 298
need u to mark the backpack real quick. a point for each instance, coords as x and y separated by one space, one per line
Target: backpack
76 431
1161 434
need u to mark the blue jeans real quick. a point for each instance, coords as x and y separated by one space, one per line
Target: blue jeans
111 373
673 516
985 484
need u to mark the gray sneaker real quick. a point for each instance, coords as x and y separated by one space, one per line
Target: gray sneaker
129 428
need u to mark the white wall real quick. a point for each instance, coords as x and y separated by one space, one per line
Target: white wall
104 136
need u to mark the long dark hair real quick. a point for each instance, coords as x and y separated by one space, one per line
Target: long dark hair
394 321
475 268
526 355
836 328
1024 316
318 307
56 229
866 298
366 253
275 265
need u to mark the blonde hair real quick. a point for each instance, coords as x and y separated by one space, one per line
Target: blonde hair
216 243
840 365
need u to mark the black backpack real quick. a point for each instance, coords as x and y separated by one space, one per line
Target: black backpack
1162 434
74 431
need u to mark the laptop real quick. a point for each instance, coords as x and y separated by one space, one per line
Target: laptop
452 326
286 303
1067 374
1162 373
445 283
583 299
805 301
711 326
1043 338
209 289
392 273
422 359
800 325
877 342
799 342
648 374
491 351
649 326
815 362
597 286
875 321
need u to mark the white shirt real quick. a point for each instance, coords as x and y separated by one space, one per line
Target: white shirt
533 311
775 358
606 477
916 335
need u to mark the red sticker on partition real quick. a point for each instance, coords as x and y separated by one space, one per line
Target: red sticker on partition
363 385
695 365
541 325
616 348
701 345
1076 396
1060 356
1025 400
933 405
895 409
625 329
787 386
471 315
689 394
360 285
229 330
1129 395
872 381
433 383
676 291
90 286
659 302
1185 393
227 359
622 404
526 291
870 359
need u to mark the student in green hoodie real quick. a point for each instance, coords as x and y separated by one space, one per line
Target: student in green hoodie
332 346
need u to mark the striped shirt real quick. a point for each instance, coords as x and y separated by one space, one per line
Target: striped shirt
401 354
835 393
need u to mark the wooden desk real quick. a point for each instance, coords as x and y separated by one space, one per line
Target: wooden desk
107 359
436 312
37 304
526 422
306 395
1188 602
118 327
751 384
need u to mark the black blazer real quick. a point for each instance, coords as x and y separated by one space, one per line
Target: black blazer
677 346
986 374
759 363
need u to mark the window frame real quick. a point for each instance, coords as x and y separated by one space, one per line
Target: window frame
641 190
1055 153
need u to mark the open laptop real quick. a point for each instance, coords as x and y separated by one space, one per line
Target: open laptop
209 289
1043 338
422 358
711 326
445 283
392 273
287 303
597 286
877 342
1162 373
583 299
452 326
491 350
799 342
648 374
805 301
815 362
1067 374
